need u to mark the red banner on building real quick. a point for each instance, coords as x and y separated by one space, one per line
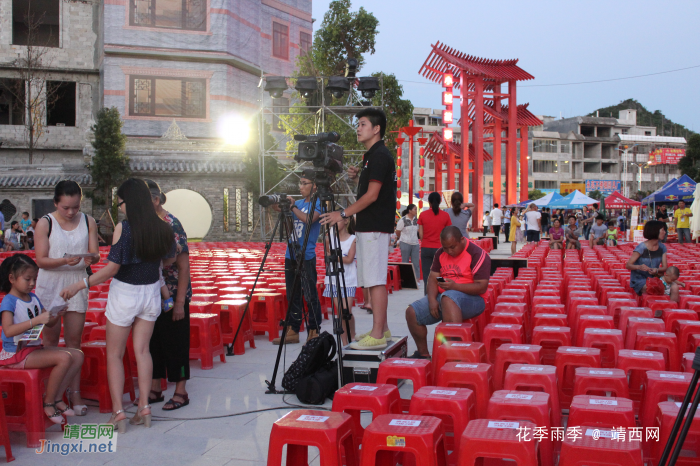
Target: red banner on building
666 156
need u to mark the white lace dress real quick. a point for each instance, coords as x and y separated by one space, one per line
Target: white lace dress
51 282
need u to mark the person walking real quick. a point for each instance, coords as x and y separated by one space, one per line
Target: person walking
533 223
170 342
57 238
460 212
681 218
545 220
408 237
487 222
514 229
497 219
140 244
506 225
431 222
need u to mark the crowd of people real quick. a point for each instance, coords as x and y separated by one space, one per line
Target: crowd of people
148 299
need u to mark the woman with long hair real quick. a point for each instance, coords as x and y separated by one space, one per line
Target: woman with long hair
141 243
430 224
59 236
460 212
408 237
648 260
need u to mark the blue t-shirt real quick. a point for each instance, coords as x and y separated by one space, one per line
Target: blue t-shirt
132 269
300 227
22 312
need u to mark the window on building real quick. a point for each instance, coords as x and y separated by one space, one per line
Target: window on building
167 97
564 167
625 130
12 106
304 42
647 133
546 184
60 106
545 166
188 15
544 145
36 22
435 121
420 120
280 41
280 106
565 147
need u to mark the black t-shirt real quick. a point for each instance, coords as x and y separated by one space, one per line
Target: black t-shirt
378 165
545 218
663 217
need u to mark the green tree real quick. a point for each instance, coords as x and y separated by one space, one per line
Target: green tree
596 195
110 165
535 194
690 164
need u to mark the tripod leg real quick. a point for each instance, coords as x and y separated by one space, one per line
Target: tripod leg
676 425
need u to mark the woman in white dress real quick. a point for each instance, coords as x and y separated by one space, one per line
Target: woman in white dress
66 231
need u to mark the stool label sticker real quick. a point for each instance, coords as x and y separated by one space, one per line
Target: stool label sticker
597 372
646 354
366 388
503 425
518 396
597 433
460 344
224 307
532 368
307 418
645 319
470 366
404 423
599 330
443 392
452 325
658 334
402 361
603 402
520 347
551 329
501 326
576 350
394 441
672 376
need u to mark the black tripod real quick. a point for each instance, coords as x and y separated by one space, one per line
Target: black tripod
681 413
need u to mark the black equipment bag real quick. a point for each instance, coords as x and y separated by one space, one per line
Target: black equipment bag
314 355
315 388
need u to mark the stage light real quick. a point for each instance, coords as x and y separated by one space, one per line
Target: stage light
276 85
447 80
351 67
369 85
447 98
338 86
234 129
447 134
306 86
447 117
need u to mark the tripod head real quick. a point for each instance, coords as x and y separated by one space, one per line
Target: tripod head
323 182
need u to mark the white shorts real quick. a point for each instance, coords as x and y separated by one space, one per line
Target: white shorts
372 258
126 302
51 282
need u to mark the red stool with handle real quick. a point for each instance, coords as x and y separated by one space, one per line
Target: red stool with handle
457 351
508 354
331 433
355 397
636 324
635 363
550 338
536 378
658 387
609 341
665 417
447 331
585 450
23 406
93 376
5 433
476 377
205 339
591 381
230 313
665 343
568 358
627 312
497 334
419 371
602 411
486 441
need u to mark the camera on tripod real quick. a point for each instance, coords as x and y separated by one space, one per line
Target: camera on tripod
282 199
320 150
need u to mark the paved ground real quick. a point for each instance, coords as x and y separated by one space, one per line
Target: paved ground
223 424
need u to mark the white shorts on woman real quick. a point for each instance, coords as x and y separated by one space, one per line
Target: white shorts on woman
126 302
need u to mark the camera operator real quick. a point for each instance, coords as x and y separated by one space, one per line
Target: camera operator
375 209
301 209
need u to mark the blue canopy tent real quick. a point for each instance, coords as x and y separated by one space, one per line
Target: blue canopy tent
541 202
673 191
573 200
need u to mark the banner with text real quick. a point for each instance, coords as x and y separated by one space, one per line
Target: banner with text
566 188
666 156
604 186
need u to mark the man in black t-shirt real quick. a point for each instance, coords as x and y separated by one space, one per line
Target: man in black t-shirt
375 209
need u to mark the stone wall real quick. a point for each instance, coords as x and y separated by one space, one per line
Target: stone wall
21 198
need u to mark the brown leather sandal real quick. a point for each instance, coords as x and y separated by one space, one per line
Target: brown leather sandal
172 405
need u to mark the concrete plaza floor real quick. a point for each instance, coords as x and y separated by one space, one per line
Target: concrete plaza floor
223 424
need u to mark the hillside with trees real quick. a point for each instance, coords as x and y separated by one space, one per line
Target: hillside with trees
664 126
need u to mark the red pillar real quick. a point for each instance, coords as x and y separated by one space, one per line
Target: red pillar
478 141
450 169
497 147
438 174
523 163
410 165
511 154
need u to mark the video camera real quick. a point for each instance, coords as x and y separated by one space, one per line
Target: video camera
271 199
320 150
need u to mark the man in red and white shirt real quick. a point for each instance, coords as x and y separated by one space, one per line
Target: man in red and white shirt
465 269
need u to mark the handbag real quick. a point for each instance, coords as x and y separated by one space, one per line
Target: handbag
654 285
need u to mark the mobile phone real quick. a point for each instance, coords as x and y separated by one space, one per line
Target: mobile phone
440 280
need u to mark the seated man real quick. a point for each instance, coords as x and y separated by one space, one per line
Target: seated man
598 232
466 269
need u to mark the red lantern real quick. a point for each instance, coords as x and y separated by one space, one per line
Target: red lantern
398 183
398 161
420 204
421 163
398 205
421 151
421 183
398 173
398 194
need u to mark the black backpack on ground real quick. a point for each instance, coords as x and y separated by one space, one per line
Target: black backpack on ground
314 355
315 388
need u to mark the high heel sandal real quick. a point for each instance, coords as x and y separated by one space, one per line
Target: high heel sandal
56 418
66 412
79 410
138 419
119 424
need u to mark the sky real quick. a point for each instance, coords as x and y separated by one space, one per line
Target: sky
557 42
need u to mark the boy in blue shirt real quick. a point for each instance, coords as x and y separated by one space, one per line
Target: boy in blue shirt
300 210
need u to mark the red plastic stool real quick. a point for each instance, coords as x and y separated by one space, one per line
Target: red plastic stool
331 433
518 318
635 363
669 316
201 307
205 339
627 312
597 313
616 304
664 342
536 378
485 440
93 376
23 406
476 377
687 364
586 321
267 310
445 332
354 398
550 338
5 433
497 334
658 387
635 324
659 305
568 358
609 341
457 352
455 407
541 299
419 371
388 434
665 417
96 315
230 313
585 450
602 411
684 329
508 354
550 320
590 381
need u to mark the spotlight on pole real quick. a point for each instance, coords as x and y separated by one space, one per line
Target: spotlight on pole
338 86
307 87
369 85
275 85
351 67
